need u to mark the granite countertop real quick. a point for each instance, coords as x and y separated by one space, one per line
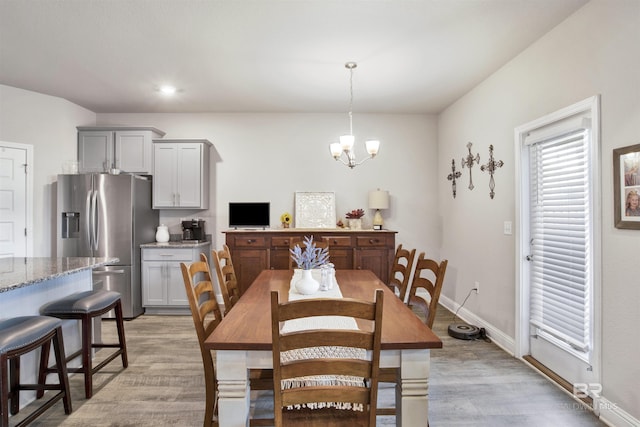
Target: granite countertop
20 272
176 244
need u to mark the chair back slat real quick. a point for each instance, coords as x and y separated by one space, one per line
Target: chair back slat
428 275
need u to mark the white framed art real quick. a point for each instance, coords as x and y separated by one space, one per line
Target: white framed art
315 209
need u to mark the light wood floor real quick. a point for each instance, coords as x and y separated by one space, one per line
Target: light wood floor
473 383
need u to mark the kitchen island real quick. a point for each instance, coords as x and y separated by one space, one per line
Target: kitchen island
26 284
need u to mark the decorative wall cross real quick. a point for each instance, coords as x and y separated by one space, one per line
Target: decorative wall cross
453 176
468 162
491 167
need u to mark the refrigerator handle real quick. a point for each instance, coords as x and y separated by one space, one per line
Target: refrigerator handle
89 220
94 216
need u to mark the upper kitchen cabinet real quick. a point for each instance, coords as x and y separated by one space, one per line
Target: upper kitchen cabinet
101 149
181 173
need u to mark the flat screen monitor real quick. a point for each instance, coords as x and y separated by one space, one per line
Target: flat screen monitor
249 215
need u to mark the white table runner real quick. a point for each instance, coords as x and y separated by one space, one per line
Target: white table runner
321 322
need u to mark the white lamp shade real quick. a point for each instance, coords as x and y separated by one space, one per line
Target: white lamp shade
373 145
346 142
378 199
336 149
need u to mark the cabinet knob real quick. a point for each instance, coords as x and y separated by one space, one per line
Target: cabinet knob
372 241
251 240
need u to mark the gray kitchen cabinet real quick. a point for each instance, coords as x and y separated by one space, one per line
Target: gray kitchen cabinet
126 148
181 174
162 283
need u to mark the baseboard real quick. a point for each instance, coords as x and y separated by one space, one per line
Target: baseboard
612 415
498 337
609 412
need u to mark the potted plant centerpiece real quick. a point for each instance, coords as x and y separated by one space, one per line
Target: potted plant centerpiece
307 259
355 219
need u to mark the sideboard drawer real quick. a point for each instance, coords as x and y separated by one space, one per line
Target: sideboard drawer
282 242
250 241
335 241
371 241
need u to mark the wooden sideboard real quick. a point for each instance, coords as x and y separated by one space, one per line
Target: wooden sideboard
255 250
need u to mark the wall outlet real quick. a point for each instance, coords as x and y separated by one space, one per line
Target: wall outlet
476 285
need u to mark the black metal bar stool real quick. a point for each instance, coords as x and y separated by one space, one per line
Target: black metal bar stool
21 335
84 306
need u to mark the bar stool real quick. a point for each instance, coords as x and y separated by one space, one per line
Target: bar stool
85 306
21 335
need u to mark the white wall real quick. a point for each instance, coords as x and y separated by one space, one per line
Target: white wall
595 51
268 157
49 125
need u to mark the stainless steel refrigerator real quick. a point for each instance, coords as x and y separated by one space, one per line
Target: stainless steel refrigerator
102 215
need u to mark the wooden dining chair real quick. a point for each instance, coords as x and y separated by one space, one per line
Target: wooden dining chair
398 281
321 244
401 271
227 278
428 275
206 317
301 387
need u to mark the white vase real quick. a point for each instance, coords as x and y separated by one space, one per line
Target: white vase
162 234
355 223
307 285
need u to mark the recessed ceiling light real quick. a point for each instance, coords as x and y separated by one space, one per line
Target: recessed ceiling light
167 90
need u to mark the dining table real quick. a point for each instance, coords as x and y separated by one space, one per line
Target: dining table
242 341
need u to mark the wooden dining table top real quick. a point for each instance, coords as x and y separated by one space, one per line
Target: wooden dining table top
248 325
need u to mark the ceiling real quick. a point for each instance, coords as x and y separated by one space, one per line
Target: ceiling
413 56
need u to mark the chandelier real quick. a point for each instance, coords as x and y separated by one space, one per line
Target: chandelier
345 146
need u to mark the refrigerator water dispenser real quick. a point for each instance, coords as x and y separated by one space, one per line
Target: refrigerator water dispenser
70 225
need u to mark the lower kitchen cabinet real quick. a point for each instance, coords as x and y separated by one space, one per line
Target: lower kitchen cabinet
162 283
255 250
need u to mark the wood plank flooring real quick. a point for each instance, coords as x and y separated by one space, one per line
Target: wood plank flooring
473 383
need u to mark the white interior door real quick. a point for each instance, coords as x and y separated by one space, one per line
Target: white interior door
559 244
13 201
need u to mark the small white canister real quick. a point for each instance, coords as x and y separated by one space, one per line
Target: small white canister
162 234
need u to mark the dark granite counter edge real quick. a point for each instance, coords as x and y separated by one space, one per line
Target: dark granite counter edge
9 281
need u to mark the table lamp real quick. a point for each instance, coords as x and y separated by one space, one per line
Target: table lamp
378 199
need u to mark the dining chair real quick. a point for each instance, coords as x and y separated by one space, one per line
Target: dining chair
432 285
227 278
321 244
429 276
401 271
206 315
398 281
325 375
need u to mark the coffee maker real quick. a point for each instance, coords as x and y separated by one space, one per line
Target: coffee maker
193 230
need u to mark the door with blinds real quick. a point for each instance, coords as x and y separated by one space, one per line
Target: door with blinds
560 227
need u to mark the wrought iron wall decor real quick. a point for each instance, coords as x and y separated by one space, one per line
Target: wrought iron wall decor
468 162
453 176
491 168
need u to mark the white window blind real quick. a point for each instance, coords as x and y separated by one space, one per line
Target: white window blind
561 238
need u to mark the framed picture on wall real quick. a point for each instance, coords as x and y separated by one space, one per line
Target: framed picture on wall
315 209
626 187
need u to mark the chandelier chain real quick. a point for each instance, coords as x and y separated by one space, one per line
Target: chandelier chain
351 100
